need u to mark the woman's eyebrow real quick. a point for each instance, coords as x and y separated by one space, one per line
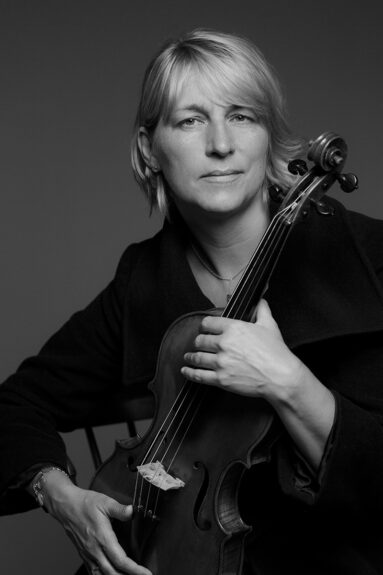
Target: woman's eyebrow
200 109
192 108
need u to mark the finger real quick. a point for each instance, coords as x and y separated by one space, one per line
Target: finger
207 342
204 376
116 557
106 567
214 324
77 543
103 551
264 315
111 560
92 569
201 359
118 511
86 555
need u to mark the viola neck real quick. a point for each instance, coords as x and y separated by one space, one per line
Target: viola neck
255 278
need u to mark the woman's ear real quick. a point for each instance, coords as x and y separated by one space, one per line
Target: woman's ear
145 146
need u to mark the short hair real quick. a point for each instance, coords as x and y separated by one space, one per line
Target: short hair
235 67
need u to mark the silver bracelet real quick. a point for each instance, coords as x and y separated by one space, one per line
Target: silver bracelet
38 483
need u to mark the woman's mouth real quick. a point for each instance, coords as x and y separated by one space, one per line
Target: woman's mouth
221 176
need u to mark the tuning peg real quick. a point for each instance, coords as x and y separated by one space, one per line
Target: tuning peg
297 167
276 193
322 208
348 182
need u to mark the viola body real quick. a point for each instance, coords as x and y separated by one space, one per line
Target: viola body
207 442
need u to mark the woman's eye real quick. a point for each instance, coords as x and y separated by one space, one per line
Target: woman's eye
242 118
189 122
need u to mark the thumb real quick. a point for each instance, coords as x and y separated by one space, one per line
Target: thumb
120 512
264 315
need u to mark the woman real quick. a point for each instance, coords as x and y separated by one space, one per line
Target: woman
210 139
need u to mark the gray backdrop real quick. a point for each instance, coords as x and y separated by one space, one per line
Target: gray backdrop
69 75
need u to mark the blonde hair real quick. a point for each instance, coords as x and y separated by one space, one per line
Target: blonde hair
226 63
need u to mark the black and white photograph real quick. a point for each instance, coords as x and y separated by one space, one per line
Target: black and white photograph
191 294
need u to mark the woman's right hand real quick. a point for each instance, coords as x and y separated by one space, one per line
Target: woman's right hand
85 516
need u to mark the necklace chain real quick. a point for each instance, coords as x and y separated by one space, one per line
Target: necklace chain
213 273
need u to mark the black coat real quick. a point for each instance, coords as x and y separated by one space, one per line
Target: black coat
326 295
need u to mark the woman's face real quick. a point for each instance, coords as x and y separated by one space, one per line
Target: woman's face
212 155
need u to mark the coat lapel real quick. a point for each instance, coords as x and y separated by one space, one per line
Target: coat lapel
322 287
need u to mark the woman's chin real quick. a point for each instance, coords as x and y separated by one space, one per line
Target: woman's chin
219 210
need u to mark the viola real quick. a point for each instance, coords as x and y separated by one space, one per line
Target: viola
183 476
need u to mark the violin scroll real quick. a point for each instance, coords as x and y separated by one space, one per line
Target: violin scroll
328 153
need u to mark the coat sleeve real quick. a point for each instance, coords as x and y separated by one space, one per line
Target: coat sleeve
350 478
62 388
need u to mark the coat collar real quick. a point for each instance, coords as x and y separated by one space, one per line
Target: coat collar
323 285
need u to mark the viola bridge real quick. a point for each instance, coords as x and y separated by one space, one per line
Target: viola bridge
155 473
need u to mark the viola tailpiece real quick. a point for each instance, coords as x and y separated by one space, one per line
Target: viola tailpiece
183 476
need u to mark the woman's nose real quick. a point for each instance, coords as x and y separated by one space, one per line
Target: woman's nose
219 140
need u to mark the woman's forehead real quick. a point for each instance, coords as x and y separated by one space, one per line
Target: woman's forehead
197 89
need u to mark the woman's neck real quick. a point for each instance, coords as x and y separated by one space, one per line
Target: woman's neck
228 244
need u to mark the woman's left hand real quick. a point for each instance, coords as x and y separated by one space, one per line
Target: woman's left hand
252 359
245 358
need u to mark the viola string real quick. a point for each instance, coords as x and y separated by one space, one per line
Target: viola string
202 395
252 262
139 478
277 242
189 407
171 410
254 266
149 484
189 387
266 269
197 392
187 429
255 281
256 284
270 242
